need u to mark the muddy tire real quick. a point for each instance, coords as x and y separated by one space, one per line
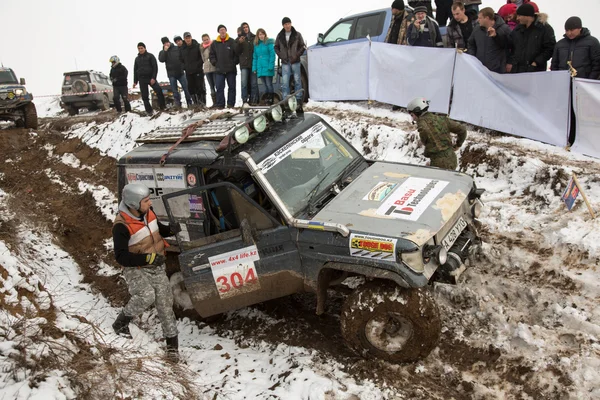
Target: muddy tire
105 104
72 110
31 119
20 123
304 79
384 321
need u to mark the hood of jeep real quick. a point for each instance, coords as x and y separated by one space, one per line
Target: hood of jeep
11 86
399 200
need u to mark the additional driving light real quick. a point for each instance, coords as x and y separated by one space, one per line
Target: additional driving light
242 134
476 209
259 124
20 92
276 113
442 255
291 104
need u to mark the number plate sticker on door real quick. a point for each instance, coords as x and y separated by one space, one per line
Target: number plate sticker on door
454 233
234 272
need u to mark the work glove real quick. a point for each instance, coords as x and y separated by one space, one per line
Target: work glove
175 228
155 259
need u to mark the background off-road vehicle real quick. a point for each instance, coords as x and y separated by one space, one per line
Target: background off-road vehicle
167 91
86 89
16 104
272 206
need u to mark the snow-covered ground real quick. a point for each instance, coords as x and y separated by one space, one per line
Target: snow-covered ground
524 323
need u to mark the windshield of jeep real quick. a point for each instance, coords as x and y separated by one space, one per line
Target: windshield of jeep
7 76
307 165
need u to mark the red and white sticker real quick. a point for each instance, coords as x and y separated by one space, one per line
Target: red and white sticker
234 272
191 179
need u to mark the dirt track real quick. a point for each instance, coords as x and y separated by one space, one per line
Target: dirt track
31 175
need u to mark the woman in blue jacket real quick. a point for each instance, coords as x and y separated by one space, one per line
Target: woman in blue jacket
263 62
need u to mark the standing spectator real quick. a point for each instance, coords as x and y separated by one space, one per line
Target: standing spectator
508 12
443 11
434 132
580 48
223 54
460 28
399 25
532 42
209 69
424 31
289 46
118 76
253 89
263 62
170 56
472 6
422 3
248 79
191 56
490 41
145 70
583 51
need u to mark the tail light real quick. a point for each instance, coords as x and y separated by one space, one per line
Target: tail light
93 88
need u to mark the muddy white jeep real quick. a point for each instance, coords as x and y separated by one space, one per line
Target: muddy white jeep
272 205
16 103
86 89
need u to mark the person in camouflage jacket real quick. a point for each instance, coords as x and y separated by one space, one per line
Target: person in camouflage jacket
401 19
434 132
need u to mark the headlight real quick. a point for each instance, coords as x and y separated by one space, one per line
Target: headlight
476 209
276 113
241 135
439 253
292 104
20 92
442 255
259 124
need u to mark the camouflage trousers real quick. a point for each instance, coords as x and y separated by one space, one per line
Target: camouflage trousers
149 286
445 159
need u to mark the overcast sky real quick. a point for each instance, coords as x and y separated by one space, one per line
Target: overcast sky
44 38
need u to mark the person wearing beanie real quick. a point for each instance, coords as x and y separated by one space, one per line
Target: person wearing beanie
249 80
396 33
422 3
580 48
424 31
472 6
178 40
289 46
508 12
170 55
460 28
145 69
533 42
224 55
191 56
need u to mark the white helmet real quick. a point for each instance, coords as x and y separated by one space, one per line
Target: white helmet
114 59
418 106
133 194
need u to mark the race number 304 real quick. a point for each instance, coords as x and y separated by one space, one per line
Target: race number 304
234 272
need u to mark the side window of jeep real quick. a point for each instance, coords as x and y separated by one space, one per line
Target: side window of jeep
369 25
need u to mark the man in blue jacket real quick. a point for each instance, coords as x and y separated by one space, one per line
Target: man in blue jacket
145 70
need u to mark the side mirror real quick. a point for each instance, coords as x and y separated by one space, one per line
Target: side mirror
320 38
22 81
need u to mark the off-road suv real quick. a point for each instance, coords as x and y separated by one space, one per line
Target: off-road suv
16 104
270 206
86 89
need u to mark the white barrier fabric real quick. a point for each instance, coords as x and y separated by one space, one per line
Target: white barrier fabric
398 74
339 72
530 105
586 100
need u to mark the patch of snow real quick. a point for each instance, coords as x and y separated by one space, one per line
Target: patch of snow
105 199
71 160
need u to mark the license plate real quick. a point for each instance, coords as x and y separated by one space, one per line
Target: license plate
454 233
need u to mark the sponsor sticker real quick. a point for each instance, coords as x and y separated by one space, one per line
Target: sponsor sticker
140 175
373 247
380 191
170 177
191 179
234 272
410 200
303 140
570 194
196 204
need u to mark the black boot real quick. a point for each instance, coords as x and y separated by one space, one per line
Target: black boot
121 325
213 96
173 349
